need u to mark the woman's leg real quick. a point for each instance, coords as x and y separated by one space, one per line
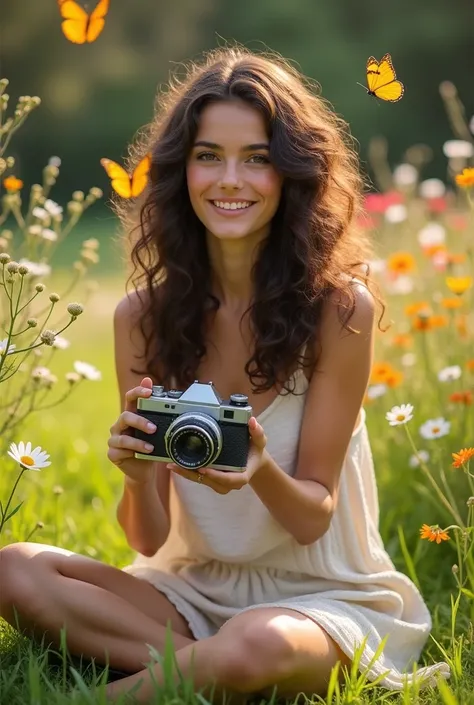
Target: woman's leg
253 653
107 613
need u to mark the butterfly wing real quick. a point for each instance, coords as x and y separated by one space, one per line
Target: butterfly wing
75 21
382 80
140 175
120 180
97 20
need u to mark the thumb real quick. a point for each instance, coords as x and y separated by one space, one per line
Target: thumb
147 382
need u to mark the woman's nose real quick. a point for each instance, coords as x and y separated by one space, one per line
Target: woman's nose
230 177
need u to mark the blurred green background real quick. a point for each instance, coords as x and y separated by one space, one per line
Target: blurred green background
96 96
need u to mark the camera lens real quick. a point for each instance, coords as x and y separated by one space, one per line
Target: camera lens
193 440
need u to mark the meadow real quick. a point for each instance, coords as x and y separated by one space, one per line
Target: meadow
424 265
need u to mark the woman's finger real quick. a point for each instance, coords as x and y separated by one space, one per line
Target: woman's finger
128 419
143 390
130 443
257 433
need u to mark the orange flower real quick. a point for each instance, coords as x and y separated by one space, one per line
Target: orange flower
461 398
470 365
394 379
439 321
462 457
401 263
431 250
11 183
466 179
380 372
450 303
461 325
403 340
458 285
456 257
416 308
433 533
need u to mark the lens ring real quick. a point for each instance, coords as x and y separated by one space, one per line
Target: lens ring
203 426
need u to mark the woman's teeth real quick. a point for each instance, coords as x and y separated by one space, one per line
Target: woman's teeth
232 206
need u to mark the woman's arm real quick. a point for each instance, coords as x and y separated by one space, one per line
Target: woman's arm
143 510
304 504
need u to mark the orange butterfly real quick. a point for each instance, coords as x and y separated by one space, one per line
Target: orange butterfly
128 185
77 25
382 80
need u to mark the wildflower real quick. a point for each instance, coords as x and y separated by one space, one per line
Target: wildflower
52 207
35 230
12 267
12 184
432 234
75 309
422 456
432 188
405 175
72 378
402 340
470 365
461 398
455 149
466 179
40 213
408 359
380 371
402 285
394 379
399 414
458 285
396 213
49 235
28 458
61 343
462 457
3 347
433 533
448 374
47 337
376 390
36 269
87 371
39 288
435 428
418 307
450 303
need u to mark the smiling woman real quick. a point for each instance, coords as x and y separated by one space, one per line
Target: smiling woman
255 277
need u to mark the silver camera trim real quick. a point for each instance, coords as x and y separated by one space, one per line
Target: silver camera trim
207 419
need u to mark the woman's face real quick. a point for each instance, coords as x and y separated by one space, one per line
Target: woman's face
233 187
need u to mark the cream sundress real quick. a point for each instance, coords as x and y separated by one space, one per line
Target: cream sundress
226 554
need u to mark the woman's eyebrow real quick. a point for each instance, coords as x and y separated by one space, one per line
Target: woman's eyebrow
246 148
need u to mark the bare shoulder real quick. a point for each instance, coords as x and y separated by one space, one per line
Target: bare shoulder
358 312
131 306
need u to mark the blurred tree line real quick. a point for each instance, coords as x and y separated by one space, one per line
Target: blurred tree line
95 96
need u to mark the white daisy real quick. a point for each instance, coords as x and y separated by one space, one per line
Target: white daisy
52 207
3 347
48 234
449 374
435 428
61 343
36 269
40 213
28 458
403 284
454 149
376 390
432 188
405 175
422 456
87 371
399 414
432 234
396 213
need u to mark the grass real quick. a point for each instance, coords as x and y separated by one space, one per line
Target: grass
72 503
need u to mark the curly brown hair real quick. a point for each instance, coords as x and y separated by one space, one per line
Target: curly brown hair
314 247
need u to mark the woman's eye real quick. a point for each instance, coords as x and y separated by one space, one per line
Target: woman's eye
261 159
206 156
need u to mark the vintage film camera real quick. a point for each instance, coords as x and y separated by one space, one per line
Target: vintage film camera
196 428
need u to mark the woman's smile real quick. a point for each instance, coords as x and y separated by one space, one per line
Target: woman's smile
231 207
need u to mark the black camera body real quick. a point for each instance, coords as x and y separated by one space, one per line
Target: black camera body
195 428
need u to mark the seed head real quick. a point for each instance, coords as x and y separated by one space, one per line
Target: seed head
75 309
47 337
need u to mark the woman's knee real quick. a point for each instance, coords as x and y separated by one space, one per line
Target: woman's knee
254 656
20 588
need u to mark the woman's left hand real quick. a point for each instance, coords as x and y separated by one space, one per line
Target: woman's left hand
224 482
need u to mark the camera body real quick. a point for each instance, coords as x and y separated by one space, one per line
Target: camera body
195 428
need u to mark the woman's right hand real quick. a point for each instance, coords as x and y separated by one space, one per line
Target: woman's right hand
122 443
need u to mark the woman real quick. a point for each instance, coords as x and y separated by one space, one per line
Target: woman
255 279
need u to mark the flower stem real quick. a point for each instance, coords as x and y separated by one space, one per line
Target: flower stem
3 521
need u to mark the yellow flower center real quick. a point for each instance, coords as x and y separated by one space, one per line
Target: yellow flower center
401 417
27 460
436 429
